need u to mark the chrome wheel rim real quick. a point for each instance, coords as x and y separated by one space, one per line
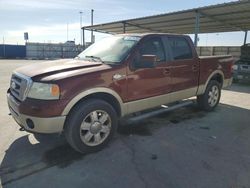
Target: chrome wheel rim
95 128
213 96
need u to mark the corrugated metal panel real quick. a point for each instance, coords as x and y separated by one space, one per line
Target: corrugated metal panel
52 51
234 16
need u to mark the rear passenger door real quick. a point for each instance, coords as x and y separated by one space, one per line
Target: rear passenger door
184 67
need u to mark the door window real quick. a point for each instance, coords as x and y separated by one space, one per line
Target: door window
180 48
153 46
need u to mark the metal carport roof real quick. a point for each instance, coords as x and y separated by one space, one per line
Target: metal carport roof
226 17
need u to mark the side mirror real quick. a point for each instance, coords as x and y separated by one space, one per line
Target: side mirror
147 61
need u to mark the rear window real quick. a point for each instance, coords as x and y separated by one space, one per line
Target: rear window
180 48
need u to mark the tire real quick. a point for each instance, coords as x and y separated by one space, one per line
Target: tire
210 99
90 125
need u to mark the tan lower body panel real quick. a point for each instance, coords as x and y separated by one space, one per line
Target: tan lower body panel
40 125
226 83
143 104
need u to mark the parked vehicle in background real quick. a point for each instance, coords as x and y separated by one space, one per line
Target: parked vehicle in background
84 97
241 68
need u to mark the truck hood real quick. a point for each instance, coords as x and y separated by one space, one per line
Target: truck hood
55 67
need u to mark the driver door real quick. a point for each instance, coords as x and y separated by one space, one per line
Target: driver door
150 84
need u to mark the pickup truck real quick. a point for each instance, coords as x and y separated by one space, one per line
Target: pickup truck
84 97
241 68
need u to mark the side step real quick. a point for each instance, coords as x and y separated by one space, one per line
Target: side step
163 109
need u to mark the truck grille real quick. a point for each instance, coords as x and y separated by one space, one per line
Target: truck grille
245 67
19 86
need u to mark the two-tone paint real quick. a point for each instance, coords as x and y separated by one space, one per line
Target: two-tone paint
128 89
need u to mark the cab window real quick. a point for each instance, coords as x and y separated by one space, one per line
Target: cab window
180 48
153 46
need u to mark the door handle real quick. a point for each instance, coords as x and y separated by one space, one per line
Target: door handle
166 71
195 68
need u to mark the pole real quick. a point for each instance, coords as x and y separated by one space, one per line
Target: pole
245 38
83 38
197 28
92 21
81 27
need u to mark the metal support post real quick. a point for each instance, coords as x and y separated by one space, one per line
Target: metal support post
197 28
245 38
81 27
83 38
124 27
92 21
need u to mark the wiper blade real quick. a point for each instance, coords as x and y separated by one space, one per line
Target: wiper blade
94 57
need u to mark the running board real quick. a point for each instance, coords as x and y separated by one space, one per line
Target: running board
163 109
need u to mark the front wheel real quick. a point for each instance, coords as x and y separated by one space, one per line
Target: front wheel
210 99
90 125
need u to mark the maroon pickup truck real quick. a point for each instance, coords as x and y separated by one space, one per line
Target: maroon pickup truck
84 97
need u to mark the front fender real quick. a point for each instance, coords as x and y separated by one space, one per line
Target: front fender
88 92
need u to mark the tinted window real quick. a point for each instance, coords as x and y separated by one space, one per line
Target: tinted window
180 48
153 46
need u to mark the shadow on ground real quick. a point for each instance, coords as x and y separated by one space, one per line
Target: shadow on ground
242 87
184 148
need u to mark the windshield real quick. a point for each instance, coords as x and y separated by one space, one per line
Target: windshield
111 49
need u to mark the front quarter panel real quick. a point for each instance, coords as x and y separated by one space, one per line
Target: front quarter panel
75 88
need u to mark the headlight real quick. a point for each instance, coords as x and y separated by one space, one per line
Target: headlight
235 67
44 91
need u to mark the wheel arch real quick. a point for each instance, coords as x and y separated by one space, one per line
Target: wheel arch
108 95
217 75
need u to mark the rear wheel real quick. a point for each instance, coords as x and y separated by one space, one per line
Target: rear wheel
90 125
210 99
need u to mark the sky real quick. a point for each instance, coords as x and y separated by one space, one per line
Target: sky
48 20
